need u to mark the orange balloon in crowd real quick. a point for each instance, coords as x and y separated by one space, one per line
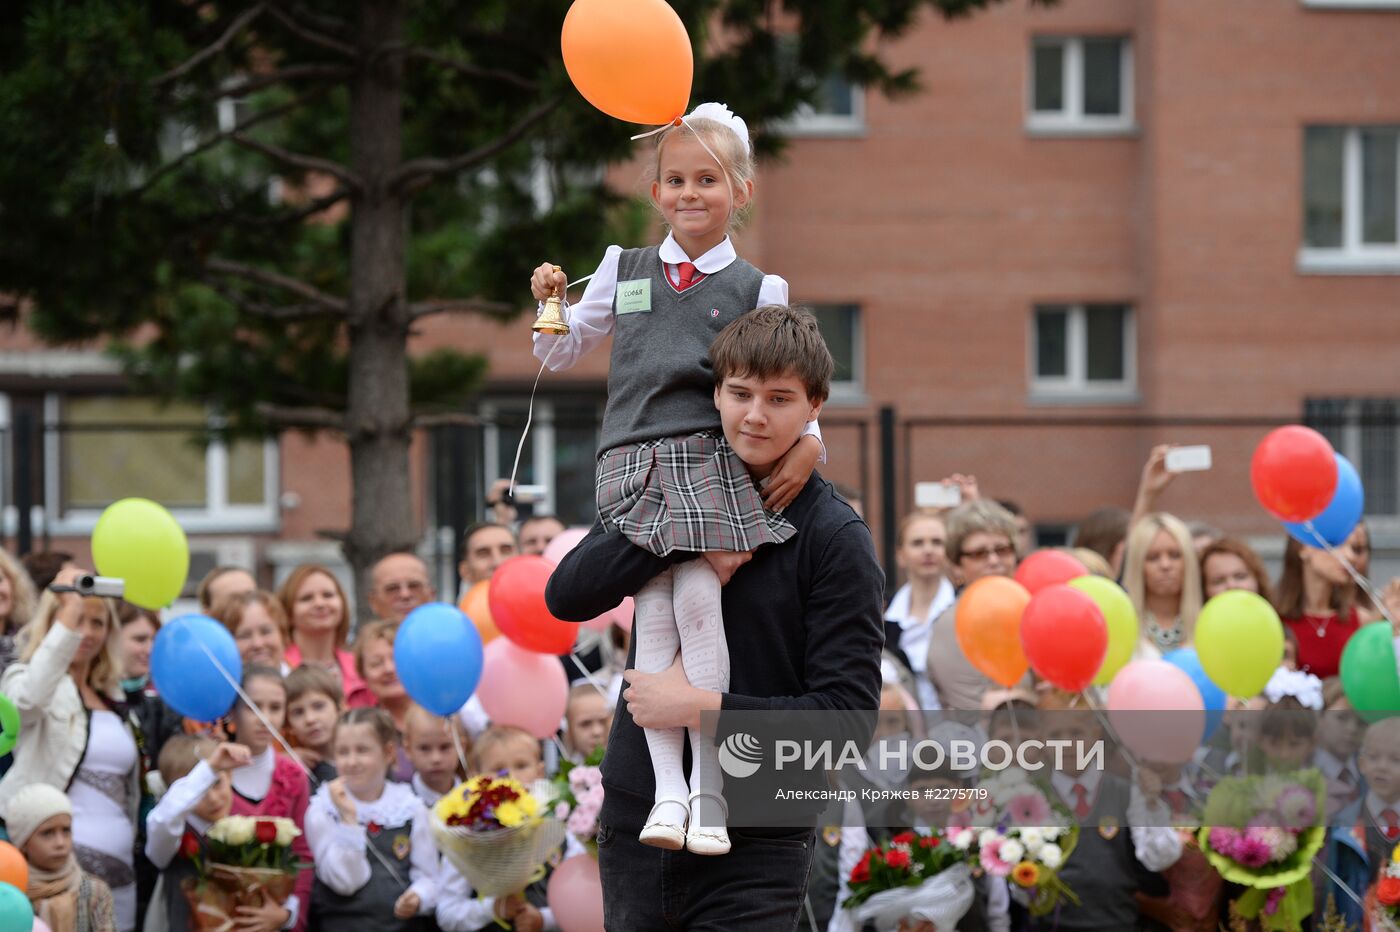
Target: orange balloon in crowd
13 868
517 605
629 58
476 605
988 625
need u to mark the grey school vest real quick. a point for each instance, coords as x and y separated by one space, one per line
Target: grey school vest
660 381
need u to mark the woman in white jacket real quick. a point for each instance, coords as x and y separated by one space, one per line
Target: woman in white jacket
75 733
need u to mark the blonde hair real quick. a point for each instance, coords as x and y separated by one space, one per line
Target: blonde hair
1093 561
735 158
501 734
21 593
1135 562
181 754
287 594
105 674
372 633
978 516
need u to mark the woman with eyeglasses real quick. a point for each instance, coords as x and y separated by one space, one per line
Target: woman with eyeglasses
1163 578
980 541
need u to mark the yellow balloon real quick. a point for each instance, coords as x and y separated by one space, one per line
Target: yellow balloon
140 542
1240 642
1118 616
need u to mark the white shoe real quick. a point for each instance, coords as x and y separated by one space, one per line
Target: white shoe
662 834
707 841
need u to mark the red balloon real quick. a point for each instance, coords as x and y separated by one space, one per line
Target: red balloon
1048 568
1294 473
517 606
1064 636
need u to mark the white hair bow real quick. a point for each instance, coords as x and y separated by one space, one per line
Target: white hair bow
723 115
1304 687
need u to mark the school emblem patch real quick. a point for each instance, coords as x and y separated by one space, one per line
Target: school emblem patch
832 835
403 847
1108 828
714 312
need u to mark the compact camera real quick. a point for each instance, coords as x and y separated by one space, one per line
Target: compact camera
107 587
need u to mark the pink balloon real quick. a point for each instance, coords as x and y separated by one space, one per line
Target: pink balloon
1157 711
575 894
565 541
620 616
40 925
522 688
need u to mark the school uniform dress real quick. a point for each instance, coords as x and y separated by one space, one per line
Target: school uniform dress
667 479
363 869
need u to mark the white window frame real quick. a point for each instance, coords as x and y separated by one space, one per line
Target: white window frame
1350 447
1072 120
1075 387
1353 257
217 517
807 122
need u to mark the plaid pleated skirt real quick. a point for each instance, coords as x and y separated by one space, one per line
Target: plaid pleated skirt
688 493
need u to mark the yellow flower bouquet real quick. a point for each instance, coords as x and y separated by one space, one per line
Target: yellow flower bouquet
496 833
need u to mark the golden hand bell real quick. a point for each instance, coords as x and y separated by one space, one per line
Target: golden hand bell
551 319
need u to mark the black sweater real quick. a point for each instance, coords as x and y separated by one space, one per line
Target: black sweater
803 619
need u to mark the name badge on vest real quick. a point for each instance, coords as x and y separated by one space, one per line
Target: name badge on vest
634 297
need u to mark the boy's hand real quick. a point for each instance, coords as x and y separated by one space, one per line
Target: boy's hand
726 563
406 907
528 919
792 473
340 798
269 917
228 756
545 279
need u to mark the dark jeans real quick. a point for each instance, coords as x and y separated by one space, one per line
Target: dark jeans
759 885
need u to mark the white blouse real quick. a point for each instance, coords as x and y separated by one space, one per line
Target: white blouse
341 851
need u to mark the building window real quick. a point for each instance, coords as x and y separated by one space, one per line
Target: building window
838 107
560 453
1351 199
1367 432
1081 84
840 325
1083 352
102 448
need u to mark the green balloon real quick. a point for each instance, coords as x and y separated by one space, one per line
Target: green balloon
1240 642
1120 618
1369 679
16 915
9 725
140 542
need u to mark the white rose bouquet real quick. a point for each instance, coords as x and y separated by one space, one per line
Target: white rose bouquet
247 859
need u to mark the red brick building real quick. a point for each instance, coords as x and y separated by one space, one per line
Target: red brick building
1101 226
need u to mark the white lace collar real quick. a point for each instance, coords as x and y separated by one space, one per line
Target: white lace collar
397 805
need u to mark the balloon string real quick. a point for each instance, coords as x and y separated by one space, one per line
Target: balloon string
1103 720
1345 888
253 707
573 655
700 139
1361 582
457 743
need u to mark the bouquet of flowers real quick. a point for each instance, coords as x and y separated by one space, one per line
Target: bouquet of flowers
914 876
248 859
1385 910
1022 835
578 798
496 833
1261 832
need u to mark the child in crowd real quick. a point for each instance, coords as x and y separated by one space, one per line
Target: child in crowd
1110 863
436 769
271 784
587 721
376 861
513 752
1365 832
39 819
314 701
1339 734
1288 724
197 771
667 478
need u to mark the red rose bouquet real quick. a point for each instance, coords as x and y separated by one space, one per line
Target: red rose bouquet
1385 913
914 876
249 860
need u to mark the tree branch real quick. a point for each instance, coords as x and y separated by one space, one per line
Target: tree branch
305 418
310 35
209 51
414 175
297 160
297 287
420 309
472 71
331 25
290 73
310 209
445 419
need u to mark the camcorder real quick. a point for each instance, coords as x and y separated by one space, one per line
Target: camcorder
107 587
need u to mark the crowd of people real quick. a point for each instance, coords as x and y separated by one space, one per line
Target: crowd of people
106 782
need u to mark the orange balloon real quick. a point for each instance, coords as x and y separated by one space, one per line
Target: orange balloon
629 58
13 868
476 605
988 625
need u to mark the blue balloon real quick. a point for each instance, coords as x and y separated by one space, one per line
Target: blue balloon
186 678
1212 696
1341 515
16 913
437 652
